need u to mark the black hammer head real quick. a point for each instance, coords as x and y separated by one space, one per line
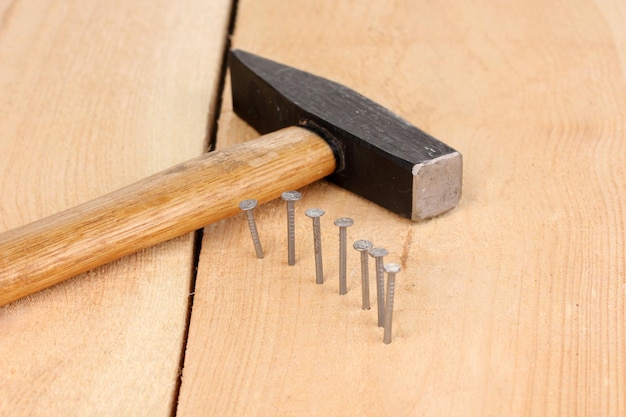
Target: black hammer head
381 156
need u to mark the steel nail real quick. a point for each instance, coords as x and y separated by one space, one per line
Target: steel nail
343 223
315 214
363 246
290 197
392 270
248 206
378 254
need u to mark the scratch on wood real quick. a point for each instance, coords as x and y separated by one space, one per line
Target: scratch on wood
406 249
6 15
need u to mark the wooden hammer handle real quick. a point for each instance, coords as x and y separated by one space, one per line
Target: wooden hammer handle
171 203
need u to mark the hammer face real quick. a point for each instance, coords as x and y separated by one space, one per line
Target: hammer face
381 156
437 186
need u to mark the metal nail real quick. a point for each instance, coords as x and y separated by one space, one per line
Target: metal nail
248 206
343 223
363 246
378 254
315 214
290 197
392 270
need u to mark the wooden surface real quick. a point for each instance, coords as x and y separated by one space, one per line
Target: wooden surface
94 96
512 304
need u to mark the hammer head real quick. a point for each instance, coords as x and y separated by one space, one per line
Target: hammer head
380 156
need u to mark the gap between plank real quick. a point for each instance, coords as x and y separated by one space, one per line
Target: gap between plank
210 141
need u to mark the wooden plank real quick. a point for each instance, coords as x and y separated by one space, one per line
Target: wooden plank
513 303
96 95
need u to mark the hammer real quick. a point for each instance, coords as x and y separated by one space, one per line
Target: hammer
312 128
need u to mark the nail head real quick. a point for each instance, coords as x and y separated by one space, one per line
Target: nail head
344 222
291 196
362 245
392 268
248 204
314 212
378 252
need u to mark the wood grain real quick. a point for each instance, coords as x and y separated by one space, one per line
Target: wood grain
97 95
513 303
164 206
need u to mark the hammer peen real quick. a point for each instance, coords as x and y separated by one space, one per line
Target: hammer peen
313 128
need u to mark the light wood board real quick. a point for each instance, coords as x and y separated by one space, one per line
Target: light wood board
513 303
94 96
